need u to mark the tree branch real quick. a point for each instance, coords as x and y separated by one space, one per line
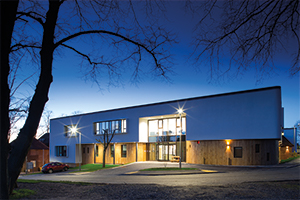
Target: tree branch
158 65
29 14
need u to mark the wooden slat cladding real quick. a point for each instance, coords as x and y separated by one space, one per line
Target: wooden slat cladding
216 152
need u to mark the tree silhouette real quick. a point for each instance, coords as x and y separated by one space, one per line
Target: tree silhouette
105 139
38 31
245 34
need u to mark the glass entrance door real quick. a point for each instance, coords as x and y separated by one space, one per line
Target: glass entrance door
166 151
162 152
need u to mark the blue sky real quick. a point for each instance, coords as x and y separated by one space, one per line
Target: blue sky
69 92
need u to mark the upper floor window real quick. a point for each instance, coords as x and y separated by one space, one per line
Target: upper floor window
71 131
115 126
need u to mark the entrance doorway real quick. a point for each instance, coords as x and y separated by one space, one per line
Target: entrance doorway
165 151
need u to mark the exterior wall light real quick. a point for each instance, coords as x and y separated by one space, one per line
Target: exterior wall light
287 148
227 144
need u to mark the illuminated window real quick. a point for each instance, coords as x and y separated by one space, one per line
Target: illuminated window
238 152
115 126
71 131
166 129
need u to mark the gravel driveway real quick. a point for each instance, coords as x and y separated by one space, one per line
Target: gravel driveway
250 190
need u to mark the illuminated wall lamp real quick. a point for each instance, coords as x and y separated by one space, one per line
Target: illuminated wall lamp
287 148
227 143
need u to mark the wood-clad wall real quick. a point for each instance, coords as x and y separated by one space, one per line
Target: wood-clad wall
216 152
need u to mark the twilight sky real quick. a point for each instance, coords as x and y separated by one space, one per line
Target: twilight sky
69 92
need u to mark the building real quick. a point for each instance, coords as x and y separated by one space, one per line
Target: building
45 139
38 155
238 128
291 135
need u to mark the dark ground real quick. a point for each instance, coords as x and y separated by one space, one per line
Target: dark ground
251 190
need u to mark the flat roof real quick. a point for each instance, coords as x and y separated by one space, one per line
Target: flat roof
173 101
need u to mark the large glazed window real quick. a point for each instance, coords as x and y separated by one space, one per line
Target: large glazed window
167 130
61 151
114 126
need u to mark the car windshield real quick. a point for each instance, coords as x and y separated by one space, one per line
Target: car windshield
45 165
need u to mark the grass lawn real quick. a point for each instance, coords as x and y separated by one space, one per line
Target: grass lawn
289 159
167 169
21 193
91 167
38 181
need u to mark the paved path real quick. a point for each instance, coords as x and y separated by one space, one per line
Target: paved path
206 175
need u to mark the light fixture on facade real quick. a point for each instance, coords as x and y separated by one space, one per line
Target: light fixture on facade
287 148
227 144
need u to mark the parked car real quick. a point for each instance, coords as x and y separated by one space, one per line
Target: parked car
54 167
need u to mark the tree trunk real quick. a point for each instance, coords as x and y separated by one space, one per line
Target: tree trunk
104 151
9 10
39 99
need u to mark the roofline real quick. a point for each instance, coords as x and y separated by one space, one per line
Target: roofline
173 101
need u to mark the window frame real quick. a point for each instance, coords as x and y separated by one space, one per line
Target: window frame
123 153
96 151
117 125
257 148
67 131
236 153
112 150
60 151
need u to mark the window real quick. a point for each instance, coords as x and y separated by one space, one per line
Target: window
87 150
123 151
34 163
112 150
257 148
70 131
238 152
268 156
61 151
117 126
165 130
96 151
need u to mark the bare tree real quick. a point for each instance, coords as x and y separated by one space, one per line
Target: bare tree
246 34
105 139
123 35
44 126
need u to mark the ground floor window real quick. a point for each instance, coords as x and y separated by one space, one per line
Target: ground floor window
96 151
124 150
257 148
238 152
60 151
112 150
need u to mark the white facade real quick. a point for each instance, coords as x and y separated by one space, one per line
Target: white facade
251 114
